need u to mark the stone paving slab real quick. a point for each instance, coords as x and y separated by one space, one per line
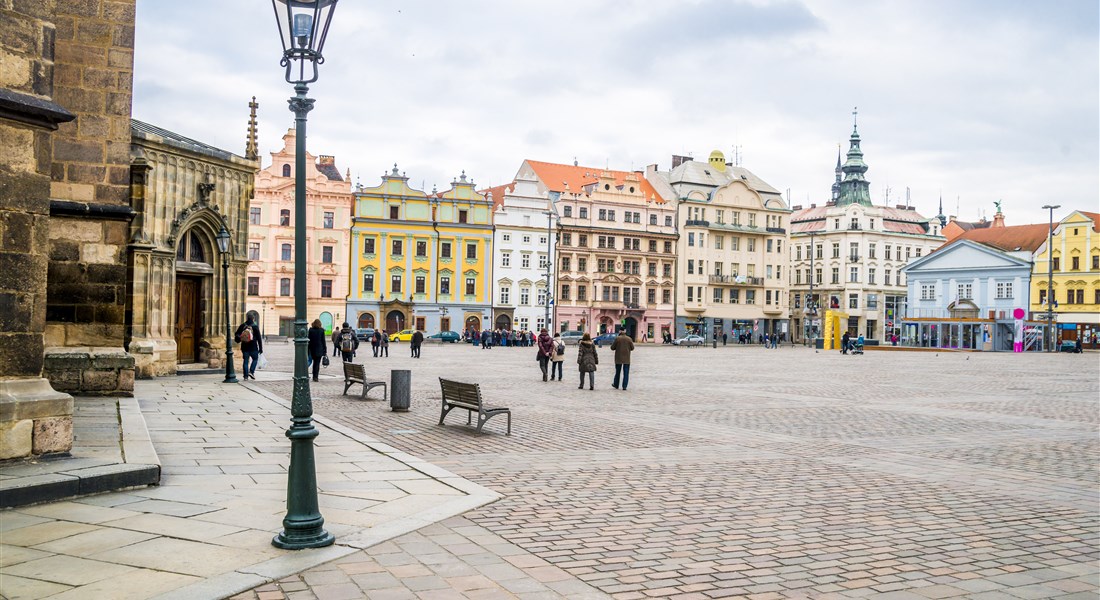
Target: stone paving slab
740 472
206 531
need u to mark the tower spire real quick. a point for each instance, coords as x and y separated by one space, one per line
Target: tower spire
854 188
251 151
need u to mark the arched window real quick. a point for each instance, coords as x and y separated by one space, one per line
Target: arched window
190 248
286 170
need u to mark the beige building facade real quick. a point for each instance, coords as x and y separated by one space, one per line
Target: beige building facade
269 283
731 276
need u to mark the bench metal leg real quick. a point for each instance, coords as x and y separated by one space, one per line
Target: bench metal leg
442 415
347 385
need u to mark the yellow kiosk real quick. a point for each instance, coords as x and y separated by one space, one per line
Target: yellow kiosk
833 328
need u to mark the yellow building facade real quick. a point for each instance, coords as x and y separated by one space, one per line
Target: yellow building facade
1075 256
421 260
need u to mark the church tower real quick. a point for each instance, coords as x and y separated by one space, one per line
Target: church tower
854 188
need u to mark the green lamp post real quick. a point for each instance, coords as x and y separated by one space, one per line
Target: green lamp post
303 26
224 246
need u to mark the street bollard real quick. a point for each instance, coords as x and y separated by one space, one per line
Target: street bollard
400 390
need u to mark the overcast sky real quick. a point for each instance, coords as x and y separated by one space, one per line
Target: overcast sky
979 101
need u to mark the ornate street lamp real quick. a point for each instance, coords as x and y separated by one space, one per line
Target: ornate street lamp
303 26
223 245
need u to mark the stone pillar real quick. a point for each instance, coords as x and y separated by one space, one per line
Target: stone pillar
90 199
34 419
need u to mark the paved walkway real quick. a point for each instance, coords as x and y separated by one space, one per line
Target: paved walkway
740 472
206 531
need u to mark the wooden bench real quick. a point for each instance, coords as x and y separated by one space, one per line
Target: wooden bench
468 396
356 373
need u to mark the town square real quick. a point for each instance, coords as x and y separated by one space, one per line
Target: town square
329 299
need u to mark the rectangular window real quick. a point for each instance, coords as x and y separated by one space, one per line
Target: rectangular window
471 251
462 216
750 296
717 295
651 296
419 284
284 286
853 274
582 293
1075 263
566 239
368 246
565 266
928 291
329 220
445 285
540 297
470 289
505 294
888 250
421 248
767 297
395 248
525 261
395 284
964 291
285 252
691 239
564 295
284 218
652 269
1042 297
870 250
326 288
524 296
253 250
872 301
445 249
1095 262
583 212
582 240
506 259
769 246
751 245
542 261
395 211
610 215
582 264
253 286
1004 289
691 294
368 282
836 250
668 247
918 252
871 276
667 270
254 215
853 300
602 214
886 278
668 220
653 245
691 266
752 219
567 211
653 219
666 296
735 243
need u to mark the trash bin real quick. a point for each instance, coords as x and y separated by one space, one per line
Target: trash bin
400 390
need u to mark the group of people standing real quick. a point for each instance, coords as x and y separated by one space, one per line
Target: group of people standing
500 337
551 355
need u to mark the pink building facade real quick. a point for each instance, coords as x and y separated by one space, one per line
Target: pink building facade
270 279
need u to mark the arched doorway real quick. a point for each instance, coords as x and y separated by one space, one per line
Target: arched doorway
503 322
326 321
366 321
193 278
395 321
607 325
632 327
473 323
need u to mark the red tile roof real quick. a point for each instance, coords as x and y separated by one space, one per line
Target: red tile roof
1015 237
1095 219
561 178
497 193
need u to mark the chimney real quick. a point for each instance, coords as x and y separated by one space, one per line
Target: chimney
796 207
678 160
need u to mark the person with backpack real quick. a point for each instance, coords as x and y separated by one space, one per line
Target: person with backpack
375 342
348 342
415 342
623 346
558 357
384 345
248 336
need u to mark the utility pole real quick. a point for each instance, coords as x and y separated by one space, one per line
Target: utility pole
1050 277
549 266
811 306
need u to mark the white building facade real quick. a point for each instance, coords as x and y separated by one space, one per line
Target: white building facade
523 240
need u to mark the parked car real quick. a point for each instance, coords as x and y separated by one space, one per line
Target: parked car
1068 346
571 338
405 335
604 338
446 336
364 333
689 340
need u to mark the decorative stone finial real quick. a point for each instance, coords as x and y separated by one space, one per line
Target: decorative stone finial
251 151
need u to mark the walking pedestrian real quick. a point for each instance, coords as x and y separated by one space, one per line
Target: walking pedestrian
417 339
587 359
375 342
623 346
335 342
248 335
317 348
844 339
348 342
384 345
558 357
546 349
724 335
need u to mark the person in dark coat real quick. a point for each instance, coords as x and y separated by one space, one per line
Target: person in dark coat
250 348
546 349
587 359
414 344
844 339
317 347
623 346
375 342
348 342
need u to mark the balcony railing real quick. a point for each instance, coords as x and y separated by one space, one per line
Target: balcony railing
853 258
854 227
775 230
737 280
696 223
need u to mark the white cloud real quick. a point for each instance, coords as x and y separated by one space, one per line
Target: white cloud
983 100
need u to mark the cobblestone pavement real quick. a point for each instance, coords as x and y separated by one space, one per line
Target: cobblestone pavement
740 472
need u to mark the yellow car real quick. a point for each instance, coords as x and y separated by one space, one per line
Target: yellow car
403 336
